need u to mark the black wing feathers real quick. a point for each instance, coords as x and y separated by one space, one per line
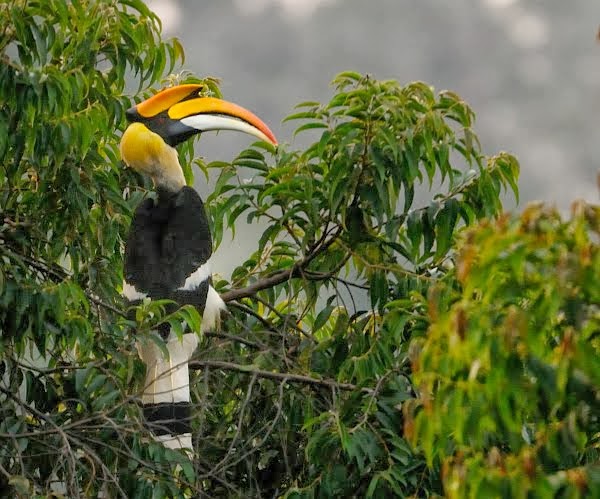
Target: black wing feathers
168 241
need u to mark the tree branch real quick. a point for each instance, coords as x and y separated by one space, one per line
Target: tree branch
283 275
264 283
294 378
231 337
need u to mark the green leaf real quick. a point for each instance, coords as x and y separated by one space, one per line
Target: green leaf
188 470
322 318
373 486
414 232
178 50
192 317
350 75
307 104
378 289
40 43
97 381
445 222
427 217
106 400
304 115
309 126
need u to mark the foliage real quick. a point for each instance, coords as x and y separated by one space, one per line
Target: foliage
351 257
344 365
66 360
509 374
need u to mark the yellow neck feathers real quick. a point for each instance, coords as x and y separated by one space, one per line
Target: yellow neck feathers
147 153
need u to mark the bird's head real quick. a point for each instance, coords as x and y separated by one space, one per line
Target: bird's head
172 116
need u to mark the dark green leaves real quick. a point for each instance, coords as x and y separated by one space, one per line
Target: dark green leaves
350 218
445 222
65 210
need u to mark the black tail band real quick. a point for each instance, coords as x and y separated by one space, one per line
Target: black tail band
168 418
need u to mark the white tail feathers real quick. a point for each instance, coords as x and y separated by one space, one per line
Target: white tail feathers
167 378
166 397
182 441
211 318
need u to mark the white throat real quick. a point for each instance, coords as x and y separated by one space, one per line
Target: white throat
167 172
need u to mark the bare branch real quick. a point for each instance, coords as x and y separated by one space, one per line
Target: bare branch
294 378
264 434
264 283
240 423
283 275
231 337
283 317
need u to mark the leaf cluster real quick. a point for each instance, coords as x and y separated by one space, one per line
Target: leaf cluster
509 374
337 286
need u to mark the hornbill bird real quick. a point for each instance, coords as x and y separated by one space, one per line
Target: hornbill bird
169 244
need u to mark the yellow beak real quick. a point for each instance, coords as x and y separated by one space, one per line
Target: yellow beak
177 113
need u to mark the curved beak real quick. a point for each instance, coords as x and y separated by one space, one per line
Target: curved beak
178 113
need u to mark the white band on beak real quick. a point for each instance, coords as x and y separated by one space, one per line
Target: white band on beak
208 122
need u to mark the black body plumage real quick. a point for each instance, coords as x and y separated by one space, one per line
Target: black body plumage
169 240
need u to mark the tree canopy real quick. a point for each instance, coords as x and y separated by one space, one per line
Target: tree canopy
393 332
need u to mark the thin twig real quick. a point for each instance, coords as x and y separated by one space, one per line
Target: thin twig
238 430
105 305
263 439
254 314
283 317
43 417
58 274
231 337
294 378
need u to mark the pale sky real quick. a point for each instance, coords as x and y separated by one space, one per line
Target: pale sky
524 28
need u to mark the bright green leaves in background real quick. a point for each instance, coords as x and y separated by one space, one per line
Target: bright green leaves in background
509 374
380 142
390 334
